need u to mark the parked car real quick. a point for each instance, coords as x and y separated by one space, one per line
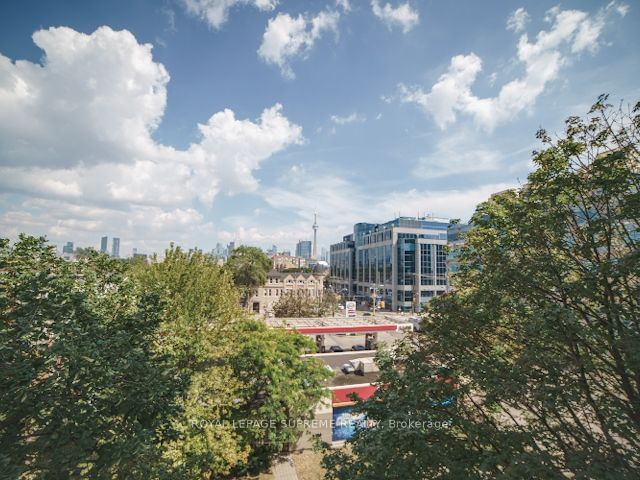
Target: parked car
347 368
358 348
328 367
336 349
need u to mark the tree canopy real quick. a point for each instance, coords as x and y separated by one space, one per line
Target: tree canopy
541 336
83 394
249 267
298 303
118 369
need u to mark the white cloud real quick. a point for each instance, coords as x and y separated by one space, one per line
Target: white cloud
457 154
344 5
403 16
451 92
443 203
351 118
518 20
572 32
304 192
78 129
287 37
621 8
147 228
102 94
216 12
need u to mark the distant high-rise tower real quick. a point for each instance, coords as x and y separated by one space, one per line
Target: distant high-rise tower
315 236
68 248
304 248
115 247
103 244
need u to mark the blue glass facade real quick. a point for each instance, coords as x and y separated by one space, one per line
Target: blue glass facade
303 249
404 260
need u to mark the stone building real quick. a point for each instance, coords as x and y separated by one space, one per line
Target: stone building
280 283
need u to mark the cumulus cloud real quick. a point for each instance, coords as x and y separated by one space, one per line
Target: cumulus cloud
216 12
518 20
403 16
90 98
78 129
287 37
571 33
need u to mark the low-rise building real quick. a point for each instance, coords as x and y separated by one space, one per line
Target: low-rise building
279 284
283 261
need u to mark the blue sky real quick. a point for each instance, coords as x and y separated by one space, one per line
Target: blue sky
198 121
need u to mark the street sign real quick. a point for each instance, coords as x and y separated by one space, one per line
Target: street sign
350 309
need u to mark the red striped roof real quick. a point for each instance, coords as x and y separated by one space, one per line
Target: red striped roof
341 394
389 327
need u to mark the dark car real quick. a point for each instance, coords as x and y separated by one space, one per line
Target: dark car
358 348
336 349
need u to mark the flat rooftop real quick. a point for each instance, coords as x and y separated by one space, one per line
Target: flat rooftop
367 320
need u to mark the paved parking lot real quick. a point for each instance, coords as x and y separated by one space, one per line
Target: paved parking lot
347 341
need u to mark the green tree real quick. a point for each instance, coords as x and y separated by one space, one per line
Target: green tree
83 394
238 370
542 331
249 267
297 303
328 304
200 315
280 387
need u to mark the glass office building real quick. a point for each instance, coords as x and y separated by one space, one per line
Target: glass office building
303 249
404 260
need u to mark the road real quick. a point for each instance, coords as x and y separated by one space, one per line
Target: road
347 341
336 360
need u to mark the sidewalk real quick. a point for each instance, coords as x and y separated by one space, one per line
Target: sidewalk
284 470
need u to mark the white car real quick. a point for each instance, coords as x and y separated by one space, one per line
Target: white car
348 368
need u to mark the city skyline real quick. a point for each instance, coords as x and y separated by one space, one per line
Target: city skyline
200 125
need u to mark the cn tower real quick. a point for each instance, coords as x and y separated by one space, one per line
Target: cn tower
315 236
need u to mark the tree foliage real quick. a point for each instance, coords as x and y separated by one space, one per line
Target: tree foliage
543 330
113 369
239 370
83 394
249 267
298 303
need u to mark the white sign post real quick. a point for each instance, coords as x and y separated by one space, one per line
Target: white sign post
350 309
